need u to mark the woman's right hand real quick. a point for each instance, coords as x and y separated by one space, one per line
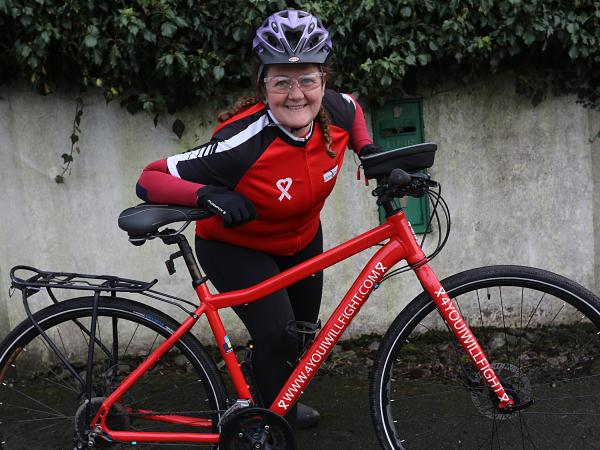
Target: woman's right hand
232 207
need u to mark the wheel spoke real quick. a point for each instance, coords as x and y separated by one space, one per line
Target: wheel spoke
125 352
24 408
480 311
23 394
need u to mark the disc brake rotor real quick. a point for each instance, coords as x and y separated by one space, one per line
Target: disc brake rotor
514 381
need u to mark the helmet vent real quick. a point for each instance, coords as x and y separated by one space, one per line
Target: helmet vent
314 41
293 37
311 27
272 40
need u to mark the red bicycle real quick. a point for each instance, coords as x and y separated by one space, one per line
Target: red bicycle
494 357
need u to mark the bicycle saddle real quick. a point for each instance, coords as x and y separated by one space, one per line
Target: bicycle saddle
146 218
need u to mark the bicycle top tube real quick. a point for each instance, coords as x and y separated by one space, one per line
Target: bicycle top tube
396 228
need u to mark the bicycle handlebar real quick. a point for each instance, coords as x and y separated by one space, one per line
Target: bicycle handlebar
400 184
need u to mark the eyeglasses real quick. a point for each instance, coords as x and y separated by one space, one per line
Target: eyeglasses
283 85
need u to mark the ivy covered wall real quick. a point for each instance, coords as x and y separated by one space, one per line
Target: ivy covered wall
163 55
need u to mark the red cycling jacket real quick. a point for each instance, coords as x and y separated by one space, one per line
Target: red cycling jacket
286 178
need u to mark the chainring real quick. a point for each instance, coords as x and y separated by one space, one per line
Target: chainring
256 429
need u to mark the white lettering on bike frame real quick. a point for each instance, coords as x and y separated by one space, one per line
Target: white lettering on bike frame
469 343
328 340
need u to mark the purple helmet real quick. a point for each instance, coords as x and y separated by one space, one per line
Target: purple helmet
292 36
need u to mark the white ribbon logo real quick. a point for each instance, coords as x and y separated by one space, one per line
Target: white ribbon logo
284 185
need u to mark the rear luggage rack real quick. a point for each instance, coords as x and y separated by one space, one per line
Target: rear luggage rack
36 279
30 281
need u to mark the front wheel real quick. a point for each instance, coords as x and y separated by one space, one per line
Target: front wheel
540 332
43 405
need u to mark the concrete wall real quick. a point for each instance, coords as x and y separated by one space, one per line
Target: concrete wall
594 133
519 182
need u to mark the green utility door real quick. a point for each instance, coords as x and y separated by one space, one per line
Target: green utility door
398 124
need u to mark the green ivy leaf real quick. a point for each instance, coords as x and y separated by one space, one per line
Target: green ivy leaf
218 72
406 11
178 128
573 52
66 158
529 38
90 41
423 59
149 36
59 179
45 36
115 56
168 29
237 35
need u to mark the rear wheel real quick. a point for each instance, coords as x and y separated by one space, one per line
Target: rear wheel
42 404
540 331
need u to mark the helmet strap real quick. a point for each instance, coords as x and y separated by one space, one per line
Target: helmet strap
259 75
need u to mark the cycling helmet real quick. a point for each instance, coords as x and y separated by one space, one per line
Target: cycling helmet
292 36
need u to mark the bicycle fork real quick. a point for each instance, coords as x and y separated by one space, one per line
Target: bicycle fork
464 335
415 256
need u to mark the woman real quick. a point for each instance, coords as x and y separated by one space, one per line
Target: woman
266 173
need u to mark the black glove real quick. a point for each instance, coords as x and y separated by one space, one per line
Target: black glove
369 149
232 207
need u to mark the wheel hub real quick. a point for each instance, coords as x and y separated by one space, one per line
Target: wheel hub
516 385
85 436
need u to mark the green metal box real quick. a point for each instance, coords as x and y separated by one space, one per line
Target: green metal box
397 124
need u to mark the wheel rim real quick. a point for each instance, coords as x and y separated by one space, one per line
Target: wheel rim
39 399
427 394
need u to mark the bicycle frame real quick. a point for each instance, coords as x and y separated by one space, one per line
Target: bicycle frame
402 244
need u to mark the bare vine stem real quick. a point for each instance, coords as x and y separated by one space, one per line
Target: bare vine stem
75 133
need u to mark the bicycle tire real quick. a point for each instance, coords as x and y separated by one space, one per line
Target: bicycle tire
425 392
49 397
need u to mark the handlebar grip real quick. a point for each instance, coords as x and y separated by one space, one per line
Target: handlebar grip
399 178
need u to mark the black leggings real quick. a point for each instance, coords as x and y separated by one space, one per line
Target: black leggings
230 267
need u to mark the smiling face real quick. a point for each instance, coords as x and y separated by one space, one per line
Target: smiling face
296 108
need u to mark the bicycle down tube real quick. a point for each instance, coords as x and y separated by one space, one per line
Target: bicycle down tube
402 244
